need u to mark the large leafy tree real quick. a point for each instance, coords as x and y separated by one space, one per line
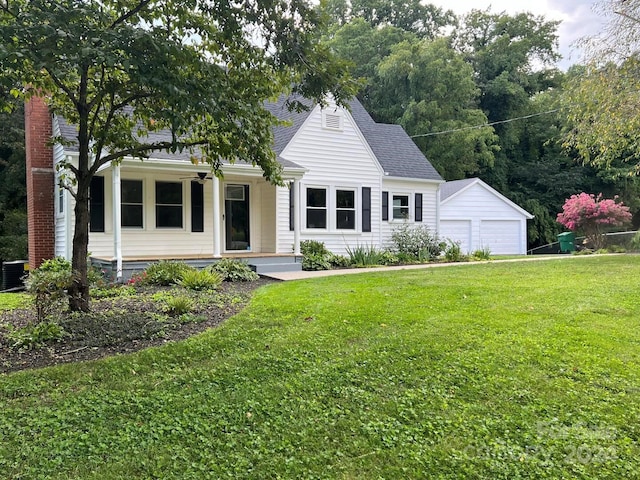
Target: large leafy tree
423 19
428 88
513 59
123 69
13 217
603 102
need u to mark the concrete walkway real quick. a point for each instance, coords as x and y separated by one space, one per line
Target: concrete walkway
350 271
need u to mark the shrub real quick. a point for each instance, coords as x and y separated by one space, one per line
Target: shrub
388 258
49 284
315 255
315 261
35 336
593 215
178 305
415 242
338 261
233 270
483 253
364 255
205 279
313 247
165 272
453 252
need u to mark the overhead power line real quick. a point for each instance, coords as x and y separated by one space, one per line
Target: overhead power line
485 124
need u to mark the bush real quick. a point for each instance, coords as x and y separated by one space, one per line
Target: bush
315 255
453 252
233 270
415 242
165 272
193 279
35 336
482 254
313 247
315 261
389 258
364 255
49 284
338 261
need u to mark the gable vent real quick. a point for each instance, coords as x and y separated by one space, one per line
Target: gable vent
333 121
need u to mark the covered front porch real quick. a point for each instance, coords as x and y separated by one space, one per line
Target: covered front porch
148 211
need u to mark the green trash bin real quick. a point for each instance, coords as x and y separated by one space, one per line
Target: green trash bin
567 242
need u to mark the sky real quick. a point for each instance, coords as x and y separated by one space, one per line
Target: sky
577 17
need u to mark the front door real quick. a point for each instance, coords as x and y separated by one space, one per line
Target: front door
236 214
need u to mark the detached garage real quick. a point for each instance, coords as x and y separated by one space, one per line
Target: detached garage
477 216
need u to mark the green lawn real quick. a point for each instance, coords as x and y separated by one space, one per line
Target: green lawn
492 371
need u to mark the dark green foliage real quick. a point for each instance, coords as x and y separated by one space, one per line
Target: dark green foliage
165 272
13 191
415 243
338 261
234 270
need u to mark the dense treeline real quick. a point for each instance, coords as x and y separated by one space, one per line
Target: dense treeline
440 76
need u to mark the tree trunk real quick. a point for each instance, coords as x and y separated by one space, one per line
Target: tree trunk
79 300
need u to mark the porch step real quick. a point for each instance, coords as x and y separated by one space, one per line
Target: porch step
265 266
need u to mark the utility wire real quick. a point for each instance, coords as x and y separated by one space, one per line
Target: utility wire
485 124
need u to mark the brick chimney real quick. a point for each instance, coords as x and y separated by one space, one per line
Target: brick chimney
40 182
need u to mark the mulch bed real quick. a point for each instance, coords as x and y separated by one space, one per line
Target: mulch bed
122 325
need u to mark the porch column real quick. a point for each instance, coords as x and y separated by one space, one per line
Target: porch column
117 227
217 218
296 216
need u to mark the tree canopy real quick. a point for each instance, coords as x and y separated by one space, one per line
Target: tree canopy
603 102
123 69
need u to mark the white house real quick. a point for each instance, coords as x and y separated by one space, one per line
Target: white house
349 181
477 216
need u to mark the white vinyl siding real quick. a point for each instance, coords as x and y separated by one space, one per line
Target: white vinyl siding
335 159
495 223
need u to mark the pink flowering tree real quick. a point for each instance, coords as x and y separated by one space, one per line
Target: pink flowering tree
593 216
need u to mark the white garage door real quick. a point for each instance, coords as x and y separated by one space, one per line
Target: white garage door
458 231
502 237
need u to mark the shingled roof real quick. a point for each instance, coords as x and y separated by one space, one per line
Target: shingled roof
397 154
451 188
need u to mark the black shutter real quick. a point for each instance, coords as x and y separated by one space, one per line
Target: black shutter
96 205
292 206
366 209
385 205
418 212
197 207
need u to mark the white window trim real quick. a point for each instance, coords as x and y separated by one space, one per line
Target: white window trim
331 209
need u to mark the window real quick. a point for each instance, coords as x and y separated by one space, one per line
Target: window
131 203
316 208
197 206
168 205
345 209
418 207
96 205
400 207
292 205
